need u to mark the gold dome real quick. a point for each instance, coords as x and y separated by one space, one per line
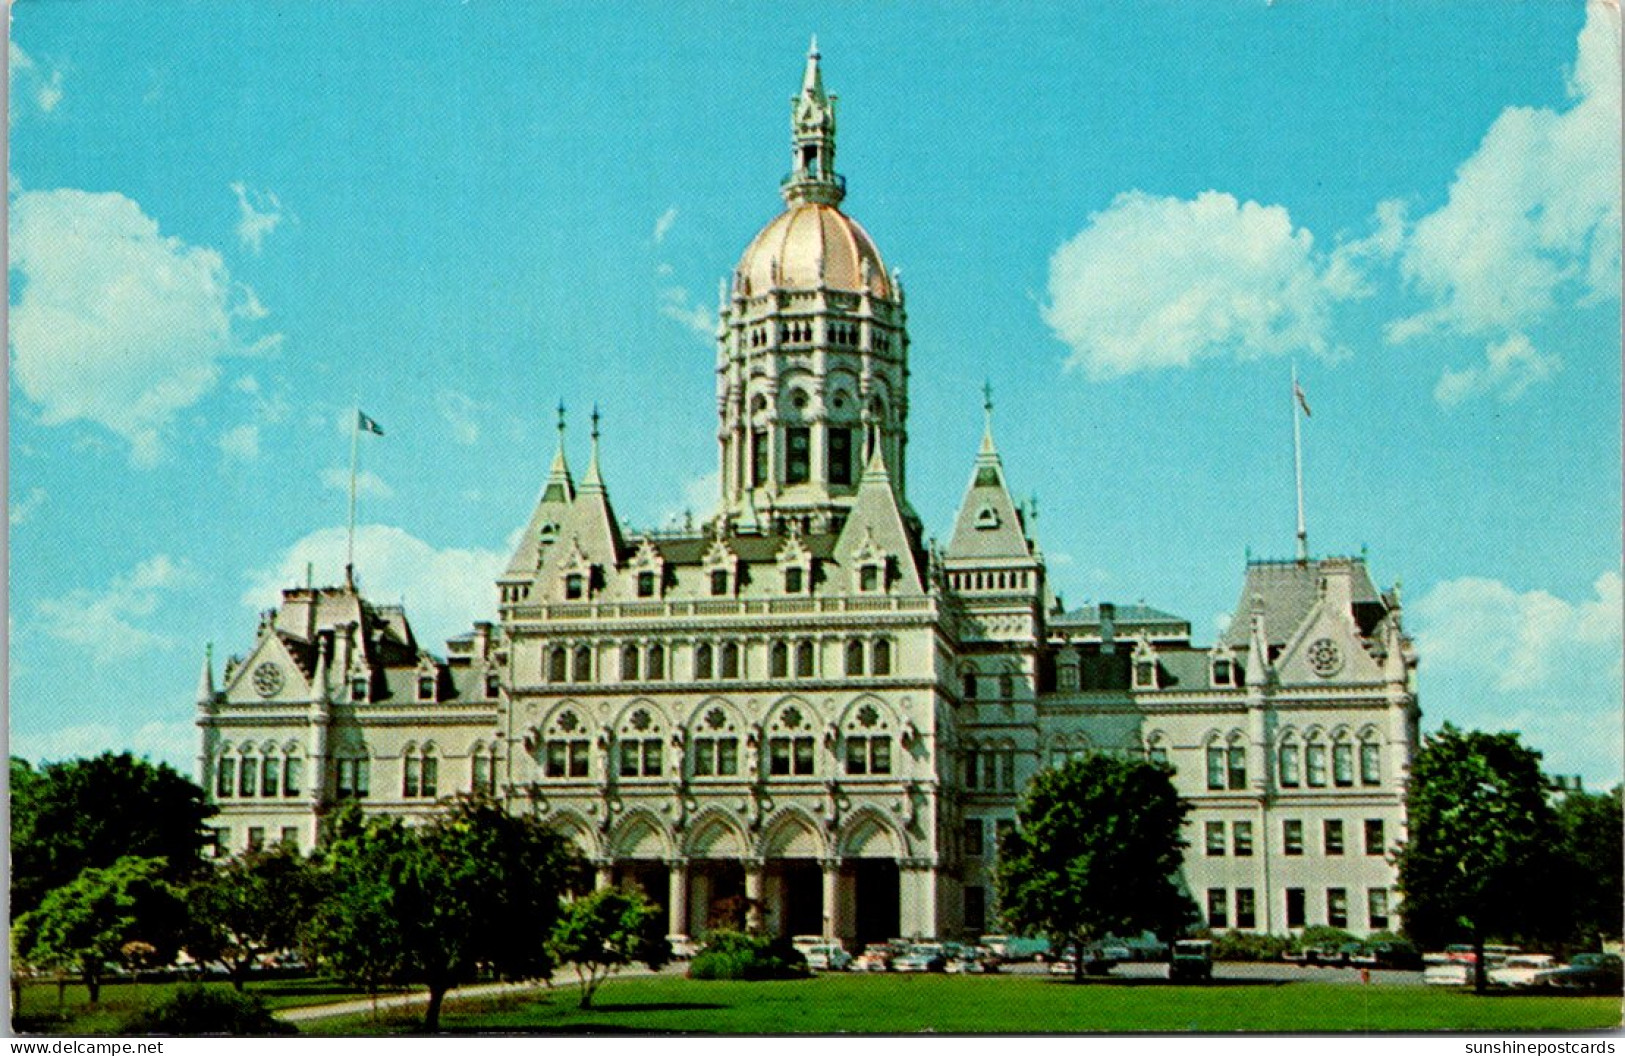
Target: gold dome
810 245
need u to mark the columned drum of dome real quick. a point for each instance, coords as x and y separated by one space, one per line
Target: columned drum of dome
812 357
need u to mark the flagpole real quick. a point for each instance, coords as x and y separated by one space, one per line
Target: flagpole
1297 462
349 548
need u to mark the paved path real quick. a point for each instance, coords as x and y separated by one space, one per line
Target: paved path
567 981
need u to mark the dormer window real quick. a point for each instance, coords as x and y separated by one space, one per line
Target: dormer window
987 518
794 581
1145 674
646 584
719 583
869 578
493 685
358 689
426 687
1224 671
575 586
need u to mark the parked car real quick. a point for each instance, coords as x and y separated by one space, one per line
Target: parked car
827 957
973 960
803 943
1190 961
1392 953
876 957
1448 973
921 958
1522 970
1017 947
1597 972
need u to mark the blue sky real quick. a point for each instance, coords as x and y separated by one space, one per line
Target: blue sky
230 222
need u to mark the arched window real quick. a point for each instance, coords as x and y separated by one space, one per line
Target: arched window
270 774
582 671
483 770
354 777
702 661
565 751
1343 762
1217 759
639 744
1370 761
882 657
654 667
248 775
558 662
804 659
854 657
1314 763
1156 750
1287 759
1007 687
730 660
629 663
868 742
714 746
225 777
778 661
970 685
790 744
293 775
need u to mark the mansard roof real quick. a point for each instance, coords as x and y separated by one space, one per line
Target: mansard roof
1290 589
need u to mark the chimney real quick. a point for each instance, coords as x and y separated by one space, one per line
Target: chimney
1108 627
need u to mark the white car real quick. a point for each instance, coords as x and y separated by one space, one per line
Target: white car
827 957
1449 973
1521 970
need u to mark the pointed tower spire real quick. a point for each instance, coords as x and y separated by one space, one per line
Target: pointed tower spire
987 420
593 481
988 524
205 681
560 487
812 140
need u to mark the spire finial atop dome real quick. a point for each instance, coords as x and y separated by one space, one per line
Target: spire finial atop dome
987 419
812 140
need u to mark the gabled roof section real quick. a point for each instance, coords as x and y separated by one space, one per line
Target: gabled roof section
876 522
988 525
591 522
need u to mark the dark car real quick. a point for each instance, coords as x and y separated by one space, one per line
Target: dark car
1393 954
1597 972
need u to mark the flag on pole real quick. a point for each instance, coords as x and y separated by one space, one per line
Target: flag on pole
367 425
1297 390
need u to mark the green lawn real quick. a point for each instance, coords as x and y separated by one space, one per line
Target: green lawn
894 1004
39 1013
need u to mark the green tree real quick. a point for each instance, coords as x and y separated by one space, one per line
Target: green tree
603 932
1096 851
248 907
433 903
87 813
1482 836
1593 826
86 923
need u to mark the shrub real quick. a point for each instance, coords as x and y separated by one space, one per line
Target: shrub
735 955
1246 946
1321 935
194 1010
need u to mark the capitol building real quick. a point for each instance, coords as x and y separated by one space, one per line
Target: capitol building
800 705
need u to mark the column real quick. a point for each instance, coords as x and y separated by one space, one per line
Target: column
832 877
605 876
677 889
753 894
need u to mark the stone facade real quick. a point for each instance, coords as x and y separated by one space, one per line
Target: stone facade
802 708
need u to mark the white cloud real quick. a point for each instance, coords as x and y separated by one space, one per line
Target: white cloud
258 214
1520 641
444 590
674 304
1509 368
1534 214
367 483
663 225
25 507
241 444
101 623
700 498
1495 658
31 81
112 322
1161 282
461 414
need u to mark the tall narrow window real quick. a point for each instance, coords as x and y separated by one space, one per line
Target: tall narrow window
804 659
869 578
778 660
247 776
793 580
654 667
1246 908
1337 907
225 777
1216 761
970 685
558 664
481 773
270 771
411 777
1215 839
758 458
1377 908
431 776
1242 839
1314 764
840 456
582 671
1333 832
1007 771
293 776
719 582
646 584
973 773
854 657
1343 764
730 660
702 661
1295 907
1370 763
1292 837
1376 842
975 909
1217 908
575 586
882 657
797 454
629 663
1237 772
973 837
1288 766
